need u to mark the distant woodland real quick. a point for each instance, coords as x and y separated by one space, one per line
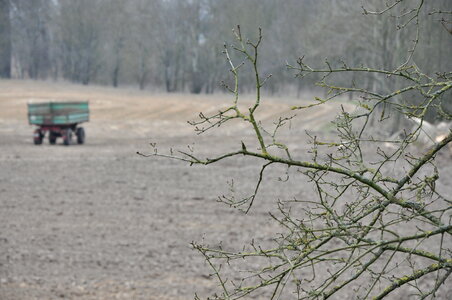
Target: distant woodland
176 46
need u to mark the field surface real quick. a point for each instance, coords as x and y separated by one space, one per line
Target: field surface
98 221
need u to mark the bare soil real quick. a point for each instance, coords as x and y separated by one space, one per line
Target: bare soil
98 221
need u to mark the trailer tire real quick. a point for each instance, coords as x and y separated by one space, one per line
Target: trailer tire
37 137
52 138
80 132
67 137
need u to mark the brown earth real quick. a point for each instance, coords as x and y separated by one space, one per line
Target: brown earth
97 221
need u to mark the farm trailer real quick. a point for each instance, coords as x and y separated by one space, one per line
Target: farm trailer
59 119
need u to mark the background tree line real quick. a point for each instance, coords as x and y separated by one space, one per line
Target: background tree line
177 45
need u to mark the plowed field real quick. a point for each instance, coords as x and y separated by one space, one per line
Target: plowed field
98 221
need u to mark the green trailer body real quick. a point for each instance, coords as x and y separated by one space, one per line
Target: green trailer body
59 119
58 113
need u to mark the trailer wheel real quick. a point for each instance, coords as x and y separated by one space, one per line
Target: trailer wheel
80 132
52 138
37 137
67 137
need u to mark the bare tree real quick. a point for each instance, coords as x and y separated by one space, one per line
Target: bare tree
117 30
379 224
5 39
145 38
174 45
31 37
80 37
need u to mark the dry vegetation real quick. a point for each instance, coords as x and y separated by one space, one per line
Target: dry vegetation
123 112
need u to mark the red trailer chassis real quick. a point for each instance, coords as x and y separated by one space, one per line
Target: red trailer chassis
55 131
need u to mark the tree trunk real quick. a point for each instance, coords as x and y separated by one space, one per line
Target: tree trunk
142 77
115 75
117 67
167 79
5 40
